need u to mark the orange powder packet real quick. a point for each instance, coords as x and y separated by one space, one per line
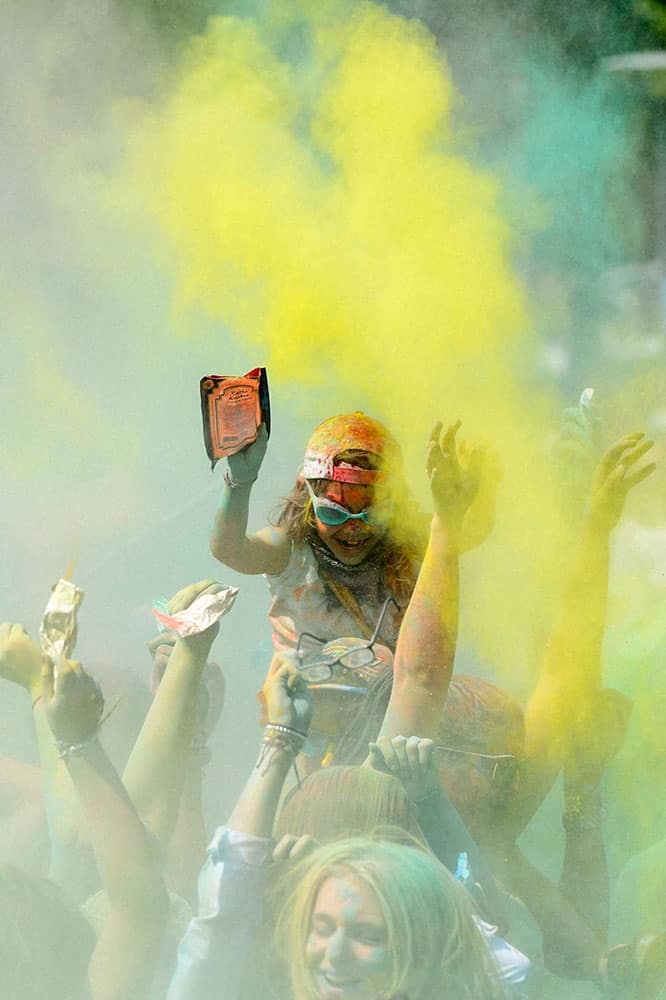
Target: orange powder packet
233 407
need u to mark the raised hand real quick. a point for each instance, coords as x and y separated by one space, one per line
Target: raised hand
410 760
244 465
72 699
199 644
454 483
20 658
292 848
288 700
613 480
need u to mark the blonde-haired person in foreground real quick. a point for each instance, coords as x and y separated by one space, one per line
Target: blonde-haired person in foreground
373 919
370 920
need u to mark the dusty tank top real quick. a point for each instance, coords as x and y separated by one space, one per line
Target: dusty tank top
301 602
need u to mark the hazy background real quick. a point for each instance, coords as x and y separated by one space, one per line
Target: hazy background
102 457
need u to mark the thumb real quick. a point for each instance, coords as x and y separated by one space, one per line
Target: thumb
47 678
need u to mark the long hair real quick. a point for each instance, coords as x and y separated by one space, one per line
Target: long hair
399 551
347 802
435 945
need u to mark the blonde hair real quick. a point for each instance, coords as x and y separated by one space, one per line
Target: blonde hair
347 802
436 948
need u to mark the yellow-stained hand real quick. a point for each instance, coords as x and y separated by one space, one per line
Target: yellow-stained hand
454 475
613 480
598 736
73 701
410 760
288 700
20 658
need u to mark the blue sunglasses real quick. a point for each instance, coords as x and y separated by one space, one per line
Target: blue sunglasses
333 514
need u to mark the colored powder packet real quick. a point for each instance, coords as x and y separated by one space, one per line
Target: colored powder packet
233 408
57 630
205 611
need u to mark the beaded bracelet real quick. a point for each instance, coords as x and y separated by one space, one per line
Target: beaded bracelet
66 750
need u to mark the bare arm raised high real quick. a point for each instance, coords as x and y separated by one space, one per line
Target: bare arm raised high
427 643
571 675
127 950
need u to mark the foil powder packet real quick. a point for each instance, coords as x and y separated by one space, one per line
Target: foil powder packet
57 630
233 408
205 611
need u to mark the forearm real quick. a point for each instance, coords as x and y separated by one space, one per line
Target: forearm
584 880
128 947
71 863
448 838
255 811
427 642
187 846
574 646
229 536
125 857
571 949
155 771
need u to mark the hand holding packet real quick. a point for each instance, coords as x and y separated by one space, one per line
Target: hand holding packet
233 408
203 612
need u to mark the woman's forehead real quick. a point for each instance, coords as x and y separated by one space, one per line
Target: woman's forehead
351 495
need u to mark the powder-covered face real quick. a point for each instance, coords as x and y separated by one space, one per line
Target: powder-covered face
347 947
353 541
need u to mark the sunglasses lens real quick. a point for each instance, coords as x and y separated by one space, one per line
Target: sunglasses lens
330 515
356 658
317 673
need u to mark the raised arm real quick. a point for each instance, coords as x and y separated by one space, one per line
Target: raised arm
427 642
157 766
213 955
71 862
128 947
267 551
571 674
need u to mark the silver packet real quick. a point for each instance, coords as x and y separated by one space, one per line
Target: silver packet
57 631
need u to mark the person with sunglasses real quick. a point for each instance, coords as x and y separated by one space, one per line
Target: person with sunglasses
347 537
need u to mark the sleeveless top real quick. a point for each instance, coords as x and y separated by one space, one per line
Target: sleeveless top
301 602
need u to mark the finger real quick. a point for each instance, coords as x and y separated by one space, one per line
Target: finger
64 674
412 755
399 746
475 465
295 681
187 595
631 457
639 475
449 440
304 845
614 454
435 433
282 849
167 638
433 455
426 755
47 679
377 760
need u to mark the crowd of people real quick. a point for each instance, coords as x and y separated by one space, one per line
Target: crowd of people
374 852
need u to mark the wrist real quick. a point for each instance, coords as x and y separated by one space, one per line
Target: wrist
583 811
234 483
446 530
76 747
